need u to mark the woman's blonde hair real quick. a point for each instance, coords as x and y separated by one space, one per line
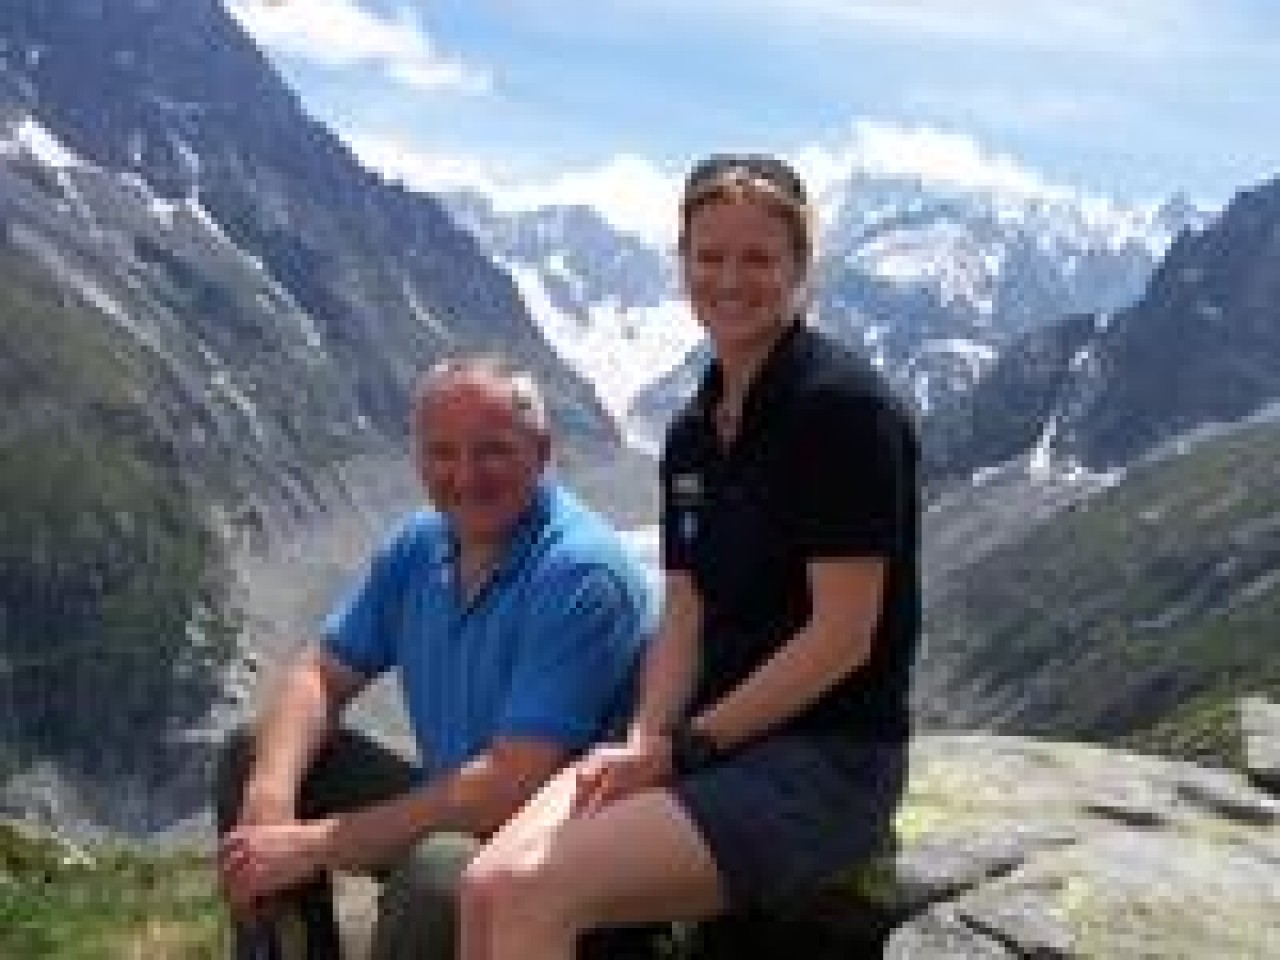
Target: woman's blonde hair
751 177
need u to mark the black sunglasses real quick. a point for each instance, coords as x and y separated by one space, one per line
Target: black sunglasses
761 166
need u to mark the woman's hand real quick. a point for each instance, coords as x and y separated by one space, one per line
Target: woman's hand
613 771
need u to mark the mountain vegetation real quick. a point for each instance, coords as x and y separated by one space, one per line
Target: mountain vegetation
1135 616
112 586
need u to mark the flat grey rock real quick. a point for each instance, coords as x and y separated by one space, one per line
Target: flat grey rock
1260 727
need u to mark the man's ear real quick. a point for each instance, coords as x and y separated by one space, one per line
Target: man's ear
545 448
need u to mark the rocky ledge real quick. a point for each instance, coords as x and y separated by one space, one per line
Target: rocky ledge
1029 848
1009 848
1021 848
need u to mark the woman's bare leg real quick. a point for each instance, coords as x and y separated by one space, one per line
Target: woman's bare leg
548 875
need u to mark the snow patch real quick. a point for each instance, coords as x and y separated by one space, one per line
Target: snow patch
44 146
222 384
1040 460
555 266
191 166
1082 360
941 255
310 334
976 355
620 351
421 313
199 214
983 475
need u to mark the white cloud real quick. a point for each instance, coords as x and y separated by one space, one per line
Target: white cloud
628 191
341 33
420 168
933 156
638 197
440 75
957 162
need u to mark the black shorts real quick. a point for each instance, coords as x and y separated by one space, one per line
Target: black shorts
787 812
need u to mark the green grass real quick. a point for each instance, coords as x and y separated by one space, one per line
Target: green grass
120 903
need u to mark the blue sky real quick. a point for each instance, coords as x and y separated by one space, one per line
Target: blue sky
607 101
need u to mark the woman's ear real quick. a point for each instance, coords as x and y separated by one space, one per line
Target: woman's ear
802 296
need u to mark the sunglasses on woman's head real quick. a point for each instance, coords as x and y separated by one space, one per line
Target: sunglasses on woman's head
760 166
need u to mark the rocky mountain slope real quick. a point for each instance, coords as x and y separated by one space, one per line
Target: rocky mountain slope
1128 607
1201 346
211 316
935 284
931 279
1098 550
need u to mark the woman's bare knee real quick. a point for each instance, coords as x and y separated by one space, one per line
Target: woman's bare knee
495 892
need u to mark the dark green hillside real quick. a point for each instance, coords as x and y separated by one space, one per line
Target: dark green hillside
1136 618
110 583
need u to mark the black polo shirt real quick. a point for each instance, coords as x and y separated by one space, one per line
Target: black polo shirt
824 466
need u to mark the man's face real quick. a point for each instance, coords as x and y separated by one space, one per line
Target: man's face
477 459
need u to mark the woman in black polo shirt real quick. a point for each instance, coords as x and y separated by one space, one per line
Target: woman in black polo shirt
767 749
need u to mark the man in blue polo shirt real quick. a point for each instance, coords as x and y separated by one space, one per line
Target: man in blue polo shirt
513 618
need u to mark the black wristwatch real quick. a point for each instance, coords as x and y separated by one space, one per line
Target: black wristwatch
691 749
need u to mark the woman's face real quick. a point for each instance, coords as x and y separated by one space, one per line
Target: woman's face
741 274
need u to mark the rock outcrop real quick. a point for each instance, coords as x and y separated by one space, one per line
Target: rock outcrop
1072 851
1014 847
1260 729
1009 848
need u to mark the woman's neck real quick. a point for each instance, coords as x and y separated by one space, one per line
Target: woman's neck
739 368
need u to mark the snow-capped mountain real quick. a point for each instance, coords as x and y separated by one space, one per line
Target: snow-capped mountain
932 280
210 318
991 264
1199 348
605 300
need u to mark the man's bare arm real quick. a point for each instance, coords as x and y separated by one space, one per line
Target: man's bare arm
297 722
476 799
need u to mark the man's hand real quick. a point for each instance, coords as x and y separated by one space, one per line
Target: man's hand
298 721
257 862
264 804
611 772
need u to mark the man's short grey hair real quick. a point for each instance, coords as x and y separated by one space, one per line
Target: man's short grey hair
526 395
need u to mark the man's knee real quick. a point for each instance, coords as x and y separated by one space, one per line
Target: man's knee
417 909
432 871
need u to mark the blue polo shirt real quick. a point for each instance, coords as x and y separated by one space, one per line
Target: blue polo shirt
545 650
